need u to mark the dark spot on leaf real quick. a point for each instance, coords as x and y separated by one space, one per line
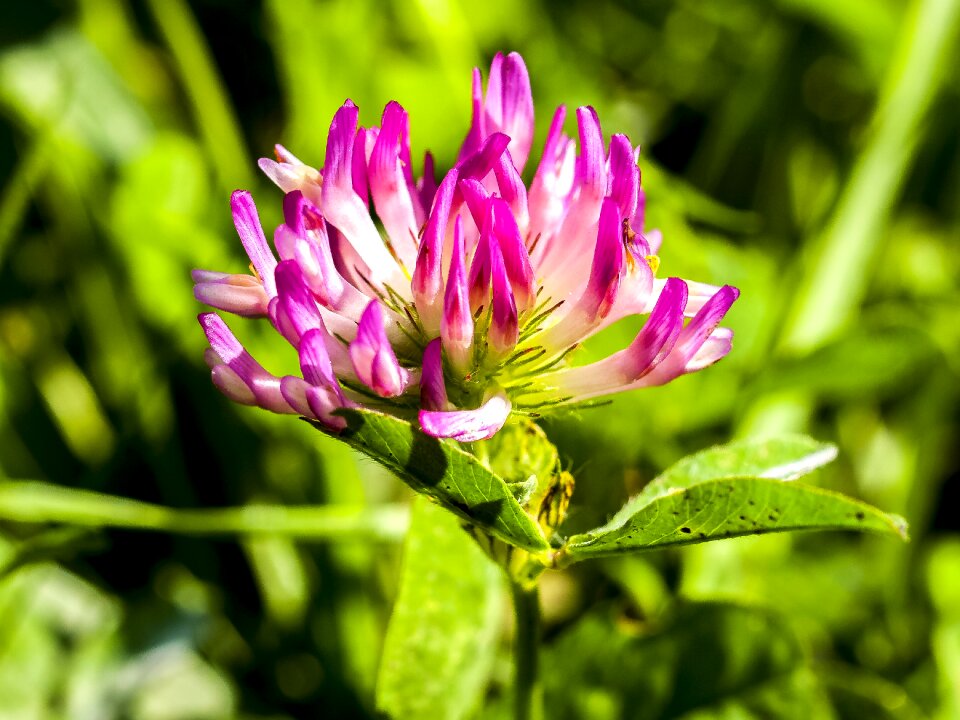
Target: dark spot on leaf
751 502
685 530
743 517
701 535
772 517
861 516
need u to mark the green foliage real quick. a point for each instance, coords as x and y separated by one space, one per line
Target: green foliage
443 633
718 509
707 661
444 472
803 150
743 488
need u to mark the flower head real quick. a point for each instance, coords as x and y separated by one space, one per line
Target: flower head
457 302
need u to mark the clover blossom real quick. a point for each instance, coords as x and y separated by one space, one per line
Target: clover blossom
460 302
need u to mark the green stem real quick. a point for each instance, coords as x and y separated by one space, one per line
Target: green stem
35 502
528 694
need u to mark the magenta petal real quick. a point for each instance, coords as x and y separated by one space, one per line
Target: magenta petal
706 320
373 358
323 404
606 271
479 164
386 375
626 368
296 300
516 259
388 184
624 180
475 135
428 183
476 197
338 163
504 326
467 425
694 336
264 386
512 189
433 390
456 325
659 333
427 280
293 204
591 163
315 364
478 282
359 166
247 222
225 344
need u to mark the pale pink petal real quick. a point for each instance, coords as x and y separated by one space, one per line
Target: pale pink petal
247 222
468 425
238 294
600 294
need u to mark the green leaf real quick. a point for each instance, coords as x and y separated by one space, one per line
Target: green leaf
443 634
728 507
781 458
441 470
711 660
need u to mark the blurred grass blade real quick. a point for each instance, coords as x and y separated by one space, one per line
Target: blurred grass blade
211 106
443 633
36 502
835 279
19 188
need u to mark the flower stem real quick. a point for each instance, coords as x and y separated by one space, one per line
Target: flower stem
528 694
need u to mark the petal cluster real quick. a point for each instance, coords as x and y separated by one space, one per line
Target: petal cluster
457 302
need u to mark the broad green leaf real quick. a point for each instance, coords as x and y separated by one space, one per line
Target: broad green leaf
709 660
443 634
728 507
441 470
781 458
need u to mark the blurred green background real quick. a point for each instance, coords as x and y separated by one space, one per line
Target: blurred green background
804 150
